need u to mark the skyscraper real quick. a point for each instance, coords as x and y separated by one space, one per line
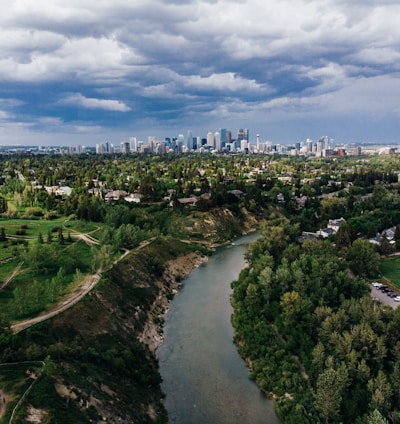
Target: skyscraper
222 133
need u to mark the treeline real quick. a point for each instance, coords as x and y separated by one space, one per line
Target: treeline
313 336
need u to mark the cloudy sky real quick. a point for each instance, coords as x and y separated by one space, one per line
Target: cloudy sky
90 71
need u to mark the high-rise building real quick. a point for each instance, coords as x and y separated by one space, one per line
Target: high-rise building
152 142
217 141
228 136
189 140
241 135
133 144
210 139
222 133
125 147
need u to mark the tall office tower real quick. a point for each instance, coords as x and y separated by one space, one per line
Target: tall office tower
107 147
189 140
228 136
246 134
198 142
210 139
152 142
180 141
133 144
258 143
324 142
309 144
240 135
222 133
125 147
320 147
217 141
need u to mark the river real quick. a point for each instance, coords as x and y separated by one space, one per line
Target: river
204 378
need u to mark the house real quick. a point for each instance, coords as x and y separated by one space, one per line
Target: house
306 235
237 193
188 201
390 237
335 224
301 201
326 232
57 190
114 195
133 198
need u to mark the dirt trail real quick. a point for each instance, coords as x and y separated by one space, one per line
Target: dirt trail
3 403
88 284
75 297
10 277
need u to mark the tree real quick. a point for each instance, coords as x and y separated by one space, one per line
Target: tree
60 236
3 234
3 205
40 238
385 247
328 397
375 417
381 392
363 258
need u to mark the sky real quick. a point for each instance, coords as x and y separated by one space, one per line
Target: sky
90 71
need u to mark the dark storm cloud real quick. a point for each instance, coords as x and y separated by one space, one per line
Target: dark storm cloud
129 68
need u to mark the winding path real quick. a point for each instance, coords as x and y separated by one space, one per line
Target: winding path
88 284
10 277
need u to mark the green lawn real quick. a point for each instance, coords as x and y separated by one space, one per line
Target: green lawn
390 269
7 268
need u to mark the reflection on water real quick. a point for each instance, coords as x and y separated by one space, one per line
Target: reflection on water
204 378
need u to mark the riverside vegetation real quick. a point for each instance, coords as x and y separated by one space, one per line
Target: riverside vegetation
313 337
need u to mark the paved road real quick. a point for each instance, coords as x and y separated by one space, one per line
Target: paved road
383 297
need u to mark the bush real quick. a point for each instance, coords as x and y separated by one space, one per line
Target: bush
51 215
34 212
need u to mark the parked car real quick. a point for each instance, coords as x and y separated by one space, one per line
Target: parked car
376 284
396 299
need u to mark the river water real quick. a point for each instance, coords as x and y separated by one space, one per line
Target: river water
204 378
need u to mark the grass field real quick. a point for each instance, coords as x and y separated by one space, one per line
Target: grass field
35 226
22 242
390 269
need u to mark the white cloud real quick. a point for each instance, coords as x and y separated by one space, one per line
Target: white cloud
92 103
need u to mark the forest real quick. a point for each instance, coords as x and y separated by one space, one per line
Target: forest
312 334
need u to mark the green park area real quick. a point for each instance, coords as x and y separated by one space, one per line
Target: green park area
42 261
390 270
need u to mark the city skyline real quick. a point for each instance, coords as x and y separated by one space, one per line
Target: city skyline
84 72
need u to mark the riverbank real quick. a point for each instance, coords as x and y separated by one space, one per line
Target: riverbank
175 272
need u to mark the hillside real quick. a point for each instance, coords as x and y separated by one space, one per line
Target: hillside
100 364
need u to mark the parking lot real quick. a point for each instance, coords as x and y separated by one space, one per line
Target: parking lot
383 297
